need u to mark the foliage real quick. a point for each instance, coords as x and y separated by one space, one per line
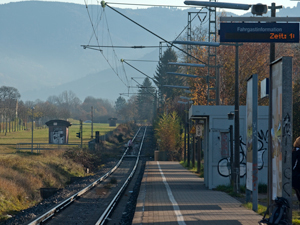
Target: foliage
253 59
261 209
262 188
63 106
9 97
161 77
84 157
167 132
193 169
127 110
145 100
229 190
120 104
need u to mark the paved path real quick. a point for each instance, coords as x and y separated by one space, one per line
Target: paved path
170 194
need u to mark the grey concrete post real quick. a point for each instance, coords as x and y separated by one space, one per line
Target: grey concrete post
236 125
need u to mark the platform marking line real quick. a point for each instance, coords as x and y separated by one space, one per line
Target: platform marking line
178 214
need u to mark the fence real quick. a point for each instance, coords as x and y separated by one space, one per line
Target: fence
46 146
41 146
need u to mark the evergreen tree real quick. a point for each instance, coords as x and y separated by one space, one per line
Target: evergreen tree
161 77
145 100
119 104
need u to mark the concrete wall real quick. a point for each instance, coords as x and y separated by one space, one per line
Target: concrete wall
217 158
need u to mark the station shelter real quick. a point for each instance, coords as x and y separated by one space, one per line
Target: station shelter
58 131
215 143
112 122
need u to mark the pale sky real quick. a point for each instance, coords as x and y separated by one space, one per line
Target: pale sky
284 3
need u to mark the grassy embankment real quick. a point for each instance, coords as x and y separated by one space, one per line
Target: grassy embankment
22 174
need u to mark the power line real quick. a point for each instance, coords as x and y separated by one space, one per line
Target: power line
188 24
140 60
170 43
137 69
101 51
171 6
112 46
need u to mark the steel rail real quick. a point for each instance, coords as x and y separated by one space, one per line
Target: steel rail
68 201
113 203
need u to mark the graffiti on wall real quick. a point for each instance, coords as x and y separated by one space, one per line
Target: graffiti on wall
224 167
58 136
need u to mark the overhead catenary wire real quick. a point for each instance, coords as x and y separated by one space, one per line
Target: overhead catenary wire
116 46
170 43
137 69
151 5
140 85
116 57
141 60
188 24
99 49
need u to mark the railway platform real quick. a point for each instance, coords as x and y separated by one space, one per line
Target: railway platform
170 194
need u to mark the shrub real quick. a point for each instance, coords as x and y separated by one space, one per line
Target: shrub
167 130
120 138
262 188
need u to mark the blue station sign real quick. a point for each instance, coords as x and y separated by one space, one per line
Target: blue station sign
259 32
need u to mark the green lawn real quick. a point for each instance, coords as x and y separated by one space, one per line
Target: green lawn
42 135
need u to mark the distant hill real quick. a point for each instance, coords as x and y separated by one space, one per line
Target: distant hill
41 51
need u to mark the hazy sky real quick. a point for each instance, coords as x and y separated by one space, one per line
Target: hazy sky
285 3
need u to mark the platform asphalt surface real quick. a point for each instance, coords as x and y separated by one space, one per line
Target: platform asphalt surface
170 194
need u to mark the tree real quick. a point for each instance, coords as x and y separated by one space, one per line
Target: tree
9 97
145 100
161 77
167 130
130 111
67 104
120 104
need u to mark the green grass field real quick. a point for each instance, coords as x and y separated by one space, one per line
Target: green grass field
42 135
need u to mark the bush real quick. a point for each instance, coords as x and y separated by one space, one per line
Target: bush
89 159
167 130
229 190
120 138
262 188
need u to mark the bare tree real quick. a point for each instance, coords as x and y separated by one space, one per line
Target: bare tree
9 97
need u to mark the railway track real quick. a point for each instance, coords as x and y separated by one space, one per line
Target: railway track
94 203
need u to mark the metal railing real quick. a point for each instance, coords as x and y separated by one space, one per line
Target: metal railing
41 146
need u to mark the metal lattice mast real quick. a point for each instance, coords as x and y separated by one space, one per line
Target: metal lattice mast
189 35
212 59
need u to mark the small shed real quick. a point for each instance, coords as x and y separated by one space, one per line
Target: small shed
58 131
112 122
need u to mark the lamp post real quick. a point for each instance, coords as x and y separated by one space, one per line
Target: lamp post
32 108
